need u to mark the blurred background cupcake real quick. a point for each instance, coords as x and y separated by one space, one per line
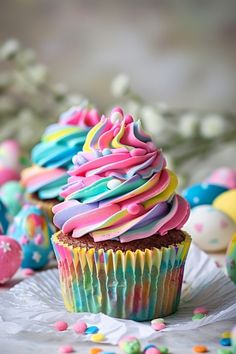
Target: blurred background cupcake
52 157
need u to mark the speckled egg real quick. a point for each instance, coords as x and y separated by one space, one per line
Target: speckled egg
4 218
210 228
226 202
202 194
231 259
223 176
10 258
32 229
12 195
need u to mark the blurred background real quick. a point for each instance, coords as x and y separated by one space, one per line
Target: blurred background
177 60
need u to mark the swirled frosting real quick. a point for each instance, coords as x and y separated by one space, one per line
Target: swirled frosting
119 187
52 157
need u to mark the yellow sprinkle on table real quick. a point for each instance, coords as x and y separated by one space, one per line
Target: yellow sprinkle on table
98 337
226 335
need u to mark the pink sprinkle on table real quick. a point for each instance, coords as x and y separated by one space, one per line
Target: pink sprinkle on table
64 349
80 327
201 310
158 326
61 326
27 272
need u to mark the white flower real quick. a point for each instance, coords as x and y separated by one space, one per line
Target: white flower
120 85
189 125
73 100
153 121
212 126
9 49
37 74
26 57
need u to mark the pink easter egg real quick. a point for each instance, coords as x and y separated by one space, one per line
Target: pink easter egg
10 258
8 174
10 154
223 176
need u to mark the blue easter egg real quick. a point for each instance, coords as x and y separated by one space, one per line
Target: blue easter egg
4 219
33 230
202 194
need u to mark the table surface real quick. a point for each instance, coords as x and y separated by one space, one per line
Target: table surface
178 342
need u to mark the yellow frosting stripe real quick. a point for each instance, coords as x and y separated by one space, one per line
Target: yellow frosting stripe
59 134
116 141
165 195
90 136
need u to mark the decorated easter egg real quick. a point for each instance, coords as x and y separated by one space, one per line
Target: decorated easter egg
202 194
231 259
226 202
210 228
32 229
10 155
12 195
224 176
10 258
4 218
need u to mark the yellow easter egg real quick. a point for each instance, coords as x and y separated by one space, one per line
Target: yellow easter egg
226 202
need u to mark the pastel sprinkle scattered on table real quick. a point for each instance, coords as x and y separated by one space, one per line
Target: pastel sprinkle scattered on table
95 350
198 316
224 351
226 342
98 337
158 320
61 326
92 330
66 349
80 327
226 335
130 345
163 350
152 351
201 310
27 272
200 349
148 346
158 326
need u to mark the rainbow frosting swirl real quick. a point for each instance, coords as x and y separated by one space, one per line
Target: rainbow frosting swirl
119 187
52 157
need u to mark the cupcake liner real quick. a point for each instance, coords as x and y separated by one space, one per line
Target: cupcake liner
139 285
231 259
45 205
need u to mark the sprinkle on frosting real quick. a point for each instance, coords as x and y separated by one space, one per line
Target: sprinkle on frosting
119 186
52 157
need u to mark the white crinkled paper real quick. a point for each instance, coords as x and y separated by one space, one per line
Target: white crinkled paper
35 304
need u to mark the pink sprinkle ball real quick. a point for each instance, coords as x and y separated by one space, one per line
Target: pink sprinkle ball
201 310
66 349
158 326
61 326
27 272
152 351
80 327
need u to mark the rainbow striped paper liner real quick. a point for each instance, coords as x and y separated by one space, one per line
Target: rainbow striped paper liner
231 259
139 285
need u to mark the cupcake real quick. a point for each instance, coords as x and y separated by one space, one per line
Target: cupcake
120 248
52 157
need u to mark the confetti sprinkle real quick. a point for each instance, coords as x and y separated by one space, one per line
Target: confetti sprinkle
200 349
201 310
158 326
80 327
98 337
61 326
198 316
65 349
92 330
226 342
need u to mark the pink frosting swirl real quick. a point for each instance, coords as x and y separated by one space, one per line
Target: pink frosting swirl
119 187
